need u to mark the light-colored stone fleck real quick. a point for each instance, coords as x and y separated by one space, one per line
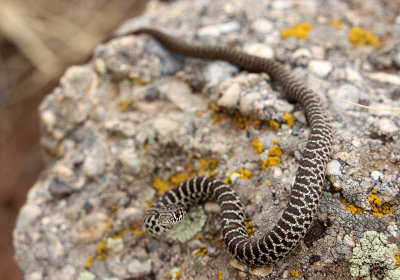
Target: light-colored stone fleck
320 68
333 168
388 126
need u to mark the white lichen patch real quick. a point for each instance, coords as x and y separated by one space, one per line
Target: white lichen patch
374 258
190 225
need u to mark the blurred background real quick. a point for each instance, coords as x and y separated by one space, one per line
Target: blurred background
38 40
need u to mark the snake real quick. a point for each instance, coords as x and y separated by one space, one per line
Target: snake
306 191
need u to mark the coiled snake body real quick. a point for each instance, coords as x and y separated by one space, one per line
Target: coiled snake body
306 190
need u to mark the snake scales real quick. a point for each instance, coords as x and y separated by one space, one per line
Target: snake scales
305 193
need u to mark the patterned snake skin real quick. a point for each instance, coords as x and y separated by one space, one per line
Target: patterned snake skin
306 190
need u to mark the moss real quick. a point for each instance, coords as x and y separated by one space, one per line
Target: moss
289 119
360 37
300 31
374 258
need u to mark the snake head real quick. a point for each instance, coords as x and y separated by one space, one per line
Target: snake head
161 219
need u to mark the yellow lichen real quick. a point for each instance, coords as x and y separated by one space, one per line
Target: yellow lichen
398 258
250 227
139 232
275 151
208 165
200 252
336 24
216 115
289 119
269 183
273 124
220 275
270 161
257 145
379 208
360 37
160 185
125 105
300 31
352 208
245 174
178 178
276 141
89 262
294 272
199 237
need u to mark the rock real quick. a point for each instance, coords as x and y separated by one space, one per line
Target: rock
320 68
139 119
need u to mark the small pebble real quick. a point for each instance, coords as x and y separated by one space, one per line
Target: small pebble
217 30
347 92
384 77
387 126
131 161
262 26
353 75
261 50
230 97
27 215
139 269
320 68
376 175
247 102
334 168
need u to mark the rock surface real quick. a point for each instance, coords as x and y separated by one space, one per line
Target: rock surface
138 119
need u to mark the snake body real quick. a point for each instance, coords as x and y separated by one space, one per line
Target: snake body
306 190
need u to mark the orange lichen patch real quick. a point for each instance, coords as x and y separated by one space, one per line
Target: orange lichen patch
200 113
139 232
300 31
275 151
257 145
289 119
208 165
107 228
250 227
352 208
273 124
360 37
102 250
125 105
89 262
270 161
379 208
115 208
160 185
245 173
274 157
276 141
178 178
199 237
398 258
269 183
200 252
294 272
336 23
220 275
217 116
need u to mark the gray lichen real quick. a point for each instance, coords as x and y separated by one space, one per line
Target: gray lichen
374 258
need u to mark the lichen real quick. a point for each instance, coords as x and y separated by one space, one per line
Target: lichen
289 119
243 173
360 37
374 258
353 208
257 145
272 158
273 124
200 252
379 208
250 227
294 272
336 23
300 31
190 225
86 275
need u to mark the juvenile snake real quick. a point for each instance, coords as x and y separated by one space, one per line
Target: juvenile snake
306 191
